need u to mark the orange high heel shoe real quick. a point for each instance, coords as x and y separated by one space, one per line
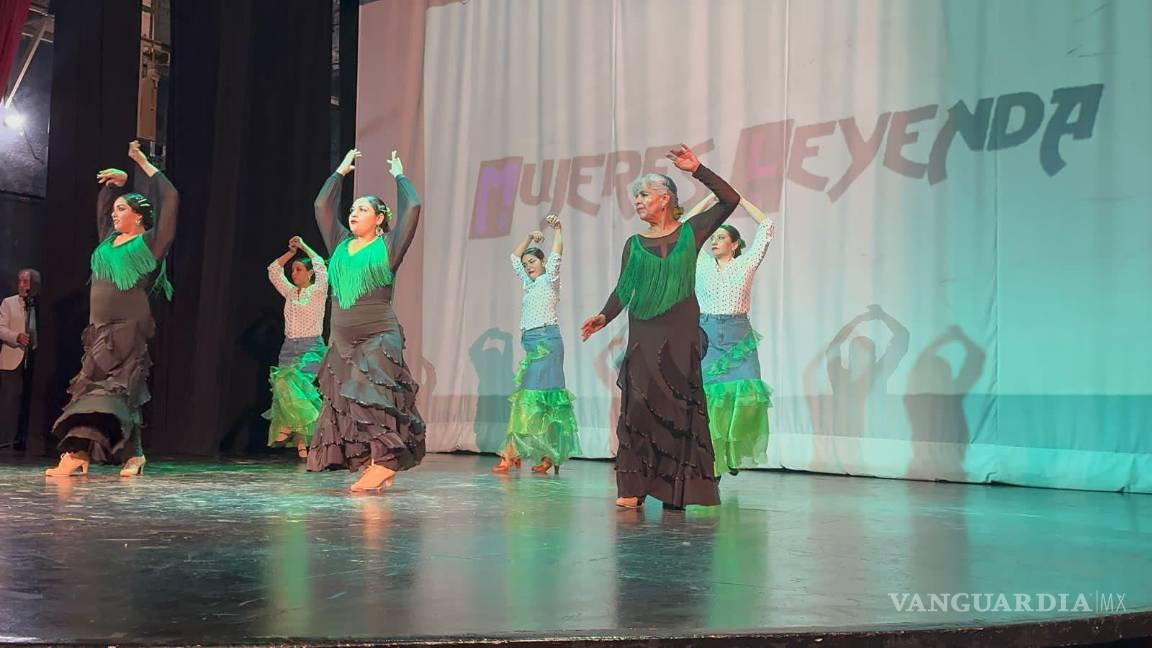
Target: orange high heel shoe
630 502
546 463
374 478
134 467
506 464
69 463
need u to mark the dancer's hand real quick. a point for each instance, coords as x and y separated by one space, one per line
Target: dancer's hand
535 237
114 177
592 325
295 242
135 153
684 158
348 165
553 220
395 166
23 340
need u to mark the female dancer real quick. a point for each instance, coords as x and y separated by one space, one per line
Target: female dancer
665 448
369 419
542 424
738 400
295 401
102 421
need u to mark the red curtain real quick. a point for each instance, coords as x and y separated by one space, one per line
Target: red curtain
12 16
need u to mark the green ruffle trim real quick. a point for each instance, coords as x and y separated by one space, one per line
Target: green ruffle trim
650 285
542 423
296 403
540 353
735 356
738 421
351 276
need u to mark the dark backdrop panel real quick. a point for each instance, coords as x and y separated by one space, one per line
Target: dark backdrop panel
250 144
95 56
248 148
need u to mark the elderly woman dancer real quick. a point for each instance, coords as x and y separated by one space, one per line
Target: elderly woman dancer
738 400
295 401
103 422
542 423
665 447
369 419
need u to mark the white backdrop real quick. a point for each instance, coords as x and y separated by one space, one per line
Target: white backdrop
978 171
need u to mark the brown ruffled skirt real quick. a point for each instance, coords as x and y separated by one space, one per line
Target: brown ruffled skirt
369 411
103 417
665 446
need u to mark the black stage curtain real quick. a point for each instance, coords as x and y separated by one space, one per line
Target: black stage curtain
248 148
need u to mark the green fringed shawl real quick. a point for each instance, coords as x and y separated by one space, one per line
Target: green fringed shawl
351 276
650 285
123 265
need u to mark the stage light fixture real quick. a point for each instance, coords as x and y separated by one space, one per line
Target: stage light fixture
14 120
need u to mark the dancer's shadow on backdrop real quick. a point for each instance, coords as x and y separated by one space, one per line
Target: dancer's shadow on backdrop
934 402
496 380
857 406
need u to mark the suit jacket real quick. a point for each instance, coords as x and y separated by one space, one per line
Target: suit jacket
13 321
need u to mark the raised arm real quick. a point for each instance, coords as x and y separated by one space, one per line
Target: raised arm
165 200
707 202
276 272
708 221
327 203
558 241
765 232
753 211
166 205
112 183
321 271
517 256
407 214
552 263
532 238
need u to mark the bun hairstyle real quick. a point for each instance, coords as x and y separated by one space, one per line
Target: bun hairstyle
734 234
381 207
140 204
659 183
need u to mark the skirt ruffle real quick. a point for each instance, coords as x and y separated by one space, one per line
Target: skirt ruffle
543 424
296 403
738 417
665 446
369 411
103 415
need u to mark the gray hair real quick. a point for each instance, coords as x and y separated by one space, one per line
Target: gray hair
657 183
33 277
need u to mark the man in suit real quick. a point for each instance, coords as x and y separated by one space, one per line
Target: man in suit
18 329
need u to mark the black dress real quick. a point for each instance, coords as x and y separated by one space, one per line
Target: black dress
103 416
369 412
665 446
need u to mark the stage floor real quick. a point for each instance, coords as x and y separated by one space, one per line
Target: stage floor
260 551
